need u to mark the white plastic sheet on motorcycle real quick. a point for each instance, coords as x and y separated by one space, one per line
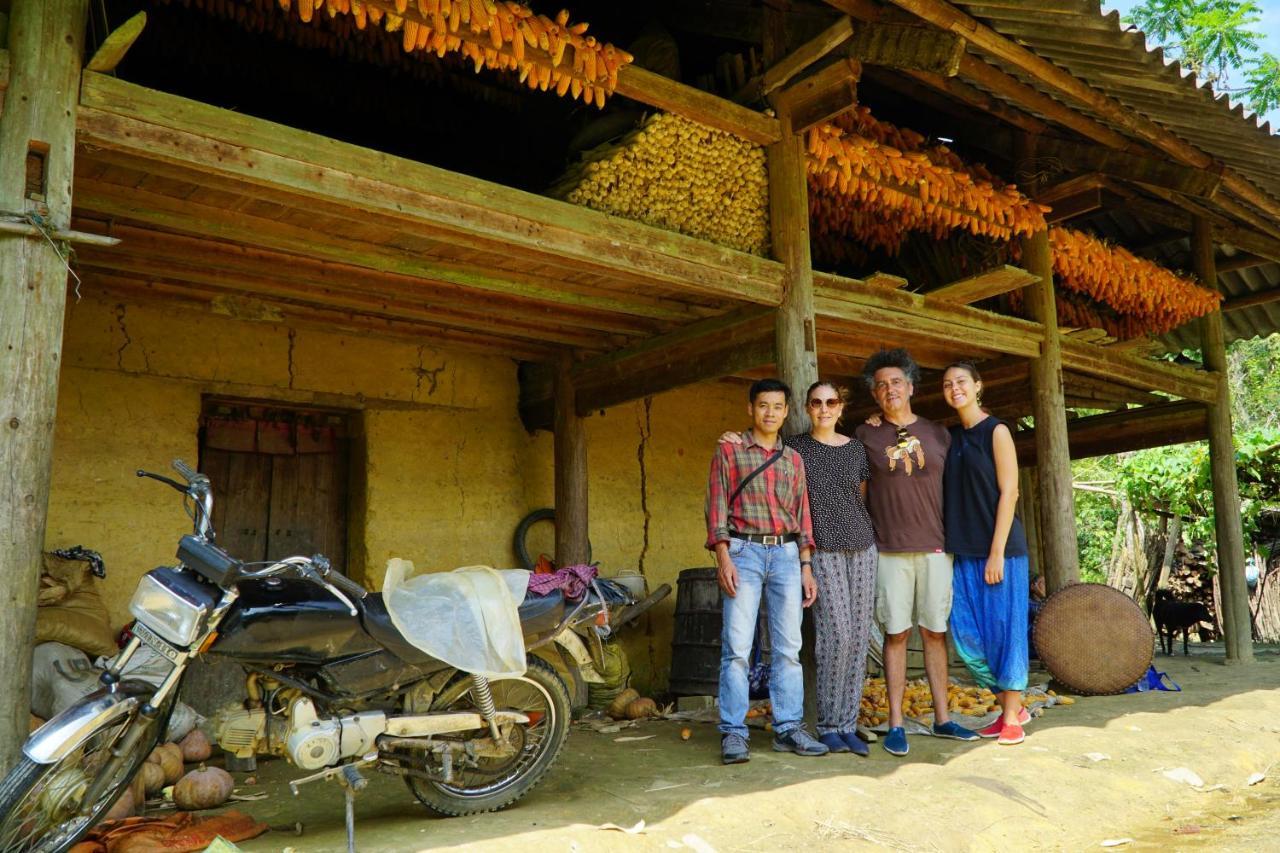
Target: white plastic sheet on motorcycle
469 618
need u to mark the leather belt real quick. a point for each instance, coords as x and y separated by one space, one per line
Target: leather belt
766 539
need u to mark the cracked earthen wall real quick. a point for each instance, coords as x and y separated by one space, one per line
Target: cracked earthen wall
449 469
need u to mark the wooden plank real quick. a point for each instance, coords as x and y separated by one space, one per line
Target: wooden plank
1172 217
46 45
1237 619
114 47
123 117
1253 300
984 285
945 16
1078 156
907 47
201 220
657 91
1157 425
778 74
1144 374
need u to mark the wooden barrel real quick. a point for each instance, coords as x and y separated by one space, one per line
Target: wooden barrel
695 641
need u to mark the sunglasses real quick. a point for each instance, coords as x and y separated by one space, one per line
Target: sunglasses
831 403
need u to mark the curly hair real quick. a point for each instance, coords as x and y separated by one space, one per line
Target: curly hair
898 358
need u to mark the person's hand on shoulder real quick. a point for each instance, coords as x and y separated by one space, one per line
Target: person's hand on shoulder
730 437
873 420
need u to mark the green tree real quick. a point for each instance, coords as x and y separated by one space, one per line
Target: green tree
1214 38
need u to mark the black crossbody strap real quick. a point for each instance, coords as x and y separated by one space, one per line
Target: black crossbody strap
756 473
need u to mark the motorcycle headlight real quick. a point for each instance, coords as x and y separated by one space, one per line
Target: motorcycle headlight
173 605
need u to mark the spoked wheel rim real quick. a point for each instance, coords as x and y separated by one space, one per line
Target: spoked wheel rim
525 696
51 814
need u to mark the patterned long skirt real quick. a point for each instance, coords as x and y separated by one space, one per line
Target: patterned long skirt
989 622
842 624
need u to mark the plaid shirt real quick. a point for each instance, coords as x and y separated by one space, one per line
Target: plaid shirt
775 502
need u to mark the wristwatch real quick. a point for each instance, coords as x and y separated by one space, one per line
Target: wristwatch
804 563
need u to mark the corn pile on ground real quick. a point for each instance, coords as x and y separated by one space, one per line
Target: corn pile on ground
679 175
971 701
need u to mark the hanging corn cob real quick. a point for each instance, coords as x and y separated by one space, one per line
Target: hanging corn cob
873 182
547 53
682 176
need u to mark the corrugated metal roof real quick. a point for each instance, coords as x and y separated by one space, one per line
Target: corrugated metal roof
1099 50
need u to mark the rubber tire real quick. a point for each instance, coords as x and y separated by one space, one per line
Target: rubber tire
519 544
27 772
450 805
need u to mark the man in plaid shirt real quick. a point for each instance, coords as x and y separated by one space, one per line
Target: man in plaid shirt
758 526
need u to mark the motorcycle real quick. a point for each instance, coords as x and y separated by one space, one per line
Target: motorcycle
332 686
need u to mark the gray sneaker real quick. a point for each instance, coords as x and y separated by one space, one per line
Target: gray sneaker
734 750
800 742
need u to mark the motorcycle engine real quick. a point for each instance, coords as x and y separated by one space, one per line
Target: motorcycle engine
313 742
249 733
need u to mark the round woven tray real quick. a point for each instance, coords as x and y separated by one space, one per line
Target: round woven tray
1094 639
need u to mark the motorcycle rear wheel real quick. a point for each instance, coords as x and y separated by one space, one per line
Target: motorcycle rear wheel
497 783
40 804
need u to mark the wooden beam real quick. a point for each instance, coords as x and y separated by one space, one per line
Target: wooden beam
666 94
1239 261
822 96
37 150
1262 297
1223 232
907 47
984 285
778 74
1112 362
1136 168
709 349
1156 425
945 16
123 117
1237 621
114 47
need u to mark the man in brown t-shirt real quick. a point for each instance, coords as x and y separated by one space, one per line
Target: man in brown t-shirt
907 454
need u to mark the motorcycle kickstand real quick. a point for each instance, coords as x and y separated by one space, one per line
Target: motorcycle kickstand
352 782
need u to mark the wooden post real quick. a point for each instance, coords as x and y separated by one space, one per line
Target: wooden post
1059 551
1029 510
1236 618
797 348
37 144
1057 527
570 472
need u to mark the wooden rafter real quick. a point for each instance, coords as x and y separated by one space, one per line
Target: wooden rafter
1137 168
1253 300
1131 429
1136 372
821 96
984 285
802 57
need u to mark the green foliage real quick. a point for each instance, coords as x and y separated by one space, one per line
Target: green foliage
1096 516
1254 371
1214 38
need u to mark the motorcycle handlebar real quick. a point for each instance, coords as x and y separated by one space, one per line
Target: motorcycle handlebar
346 584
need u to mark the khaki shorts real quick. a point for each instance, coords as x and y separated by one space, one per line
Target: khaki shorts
913 589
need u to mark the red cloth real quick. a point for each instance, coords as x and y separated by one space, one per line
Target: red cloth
179 833
572 579
775 502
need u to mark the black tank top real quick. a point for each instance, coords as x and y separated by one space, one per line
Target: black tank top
971 493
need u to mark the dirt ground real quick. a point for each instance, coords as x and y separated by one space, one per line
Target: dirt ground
1089 773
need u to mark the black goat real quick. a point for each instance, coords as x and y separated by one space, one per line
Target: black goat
1172 615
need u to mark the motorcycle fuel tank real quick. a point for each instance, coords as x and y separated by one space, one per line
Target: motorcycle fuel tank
292 621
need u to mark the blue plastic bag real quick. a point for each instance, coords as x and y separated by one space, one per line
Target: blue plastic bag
1154 680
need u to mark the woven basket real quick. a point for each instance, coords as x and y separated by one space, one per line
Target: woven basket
1094 639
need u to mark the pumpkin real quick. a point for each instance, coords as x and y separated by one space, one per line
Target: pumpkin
203 788
170 762
36 723
152 776
137 788
123 807
618 707
195 746
641 708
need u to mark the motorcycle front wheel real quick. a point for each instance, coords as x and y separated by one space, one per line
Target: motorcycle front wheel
43 807
495 783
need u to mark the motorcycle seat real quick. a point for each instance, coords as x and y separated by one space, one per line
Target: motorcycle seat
540 614
377 623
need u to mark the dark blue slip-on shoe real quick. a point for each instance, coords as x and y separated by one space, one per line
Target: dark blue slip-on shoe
895 742
955 731
834 741
855 744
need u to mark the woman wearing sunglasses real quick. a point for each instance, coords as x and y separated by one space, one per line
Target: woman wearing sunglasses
844 563
990 580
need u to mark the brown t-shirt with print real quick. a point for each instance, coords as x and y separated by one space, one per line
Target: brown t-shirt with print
904 495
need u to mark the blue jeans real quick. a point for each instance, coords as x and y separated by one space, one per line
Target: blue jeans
774 571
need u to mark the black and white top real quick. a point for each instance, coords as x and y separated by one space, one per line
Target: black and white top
840 520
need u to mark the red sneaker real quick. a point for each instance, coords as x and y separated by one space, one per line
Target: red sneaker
1011 735
995 729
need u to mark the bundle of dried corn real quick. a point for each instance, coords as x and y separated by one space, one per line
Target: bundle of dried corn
682 176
